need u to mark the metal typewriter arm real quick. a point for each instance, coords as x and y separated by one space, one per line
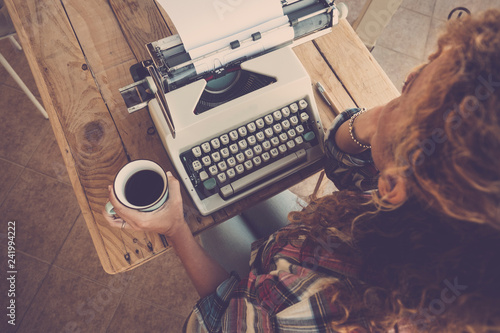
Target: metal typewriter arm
138 94
160 96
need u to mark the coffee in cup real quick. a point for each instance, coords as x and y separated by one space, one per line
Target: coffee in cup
140 185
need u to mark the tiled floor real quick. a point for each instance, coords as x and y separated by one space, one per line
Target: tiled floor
60 284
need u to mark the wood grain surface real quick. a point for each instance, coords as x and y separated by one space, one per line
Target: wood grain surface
80 53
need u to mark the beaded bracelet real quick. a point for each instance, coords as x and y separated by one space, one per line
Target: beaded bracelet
351 129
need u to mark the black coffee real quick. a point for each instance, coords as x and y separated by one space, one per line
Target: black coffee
144 188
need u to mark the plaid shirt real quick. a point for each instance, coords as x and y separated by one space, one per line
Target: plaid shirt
288 290
289 286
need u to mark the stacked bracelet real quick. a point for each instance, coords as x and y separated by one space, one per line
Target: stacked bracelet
351 129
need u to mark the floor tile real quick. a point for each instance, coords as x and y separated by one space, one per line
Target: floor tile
395 64
44 209
48 160
28 279
21 124
425 7
397 38
67 302
163 282
18 62
8 176
355 7
133 315
437 27
305 188
444 7
79 255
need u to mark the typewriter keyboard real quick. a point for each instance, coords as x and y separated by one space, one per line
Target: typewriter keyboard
234 161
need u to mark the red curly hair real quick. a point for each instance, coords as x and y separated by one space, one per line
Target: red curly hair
448 146
425 265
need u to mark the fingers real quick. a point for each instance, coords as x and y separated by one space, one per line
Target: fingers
113 219
119 208
114 201
116 221
122 213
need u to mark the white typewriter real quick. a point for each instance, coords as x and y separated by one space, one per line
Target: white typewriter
235 113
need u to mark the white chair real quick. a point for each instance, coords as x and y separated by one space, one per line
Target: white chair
7 30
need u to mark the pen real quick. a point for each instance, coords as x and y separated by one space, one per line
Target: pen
326 97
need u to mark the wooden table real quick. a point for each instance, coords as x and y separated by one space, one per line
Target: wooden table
80 53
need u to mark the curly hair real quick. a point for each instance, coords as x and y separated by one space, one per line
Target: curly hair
420 270
424 264
448 145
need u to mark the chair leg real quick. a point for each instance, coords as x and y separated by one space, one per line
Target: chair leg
21 84
15 43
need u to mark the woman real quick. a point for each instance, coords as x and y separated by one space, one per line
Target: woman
420 254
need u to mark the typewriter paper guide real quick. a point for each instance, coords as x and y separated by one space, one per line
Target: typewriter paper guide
200 22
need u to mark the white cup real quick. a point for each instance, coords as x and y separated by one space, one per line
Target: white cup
140 185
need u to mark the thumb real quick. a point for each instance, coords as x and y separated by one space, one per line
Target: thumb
174 188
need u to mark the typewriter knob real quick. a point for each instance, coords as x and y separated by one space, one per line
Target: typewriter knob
343 10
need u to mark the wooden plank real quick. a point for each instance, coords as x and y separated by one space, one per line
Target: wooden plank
81 114
81 122
104 55
145 27
361 75
111 75
319 71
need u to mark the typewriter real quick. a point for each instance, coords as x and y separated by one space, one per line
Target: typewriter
237 113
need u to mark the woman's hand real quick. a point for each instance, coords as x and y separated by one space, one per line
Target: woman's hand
365 125
167 220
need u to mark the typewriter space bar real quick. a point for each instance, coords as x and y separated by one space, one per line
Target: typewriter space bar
249 180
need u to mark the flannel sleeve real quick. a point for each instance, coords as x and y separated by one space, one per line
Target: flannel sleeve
210 309
351 172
